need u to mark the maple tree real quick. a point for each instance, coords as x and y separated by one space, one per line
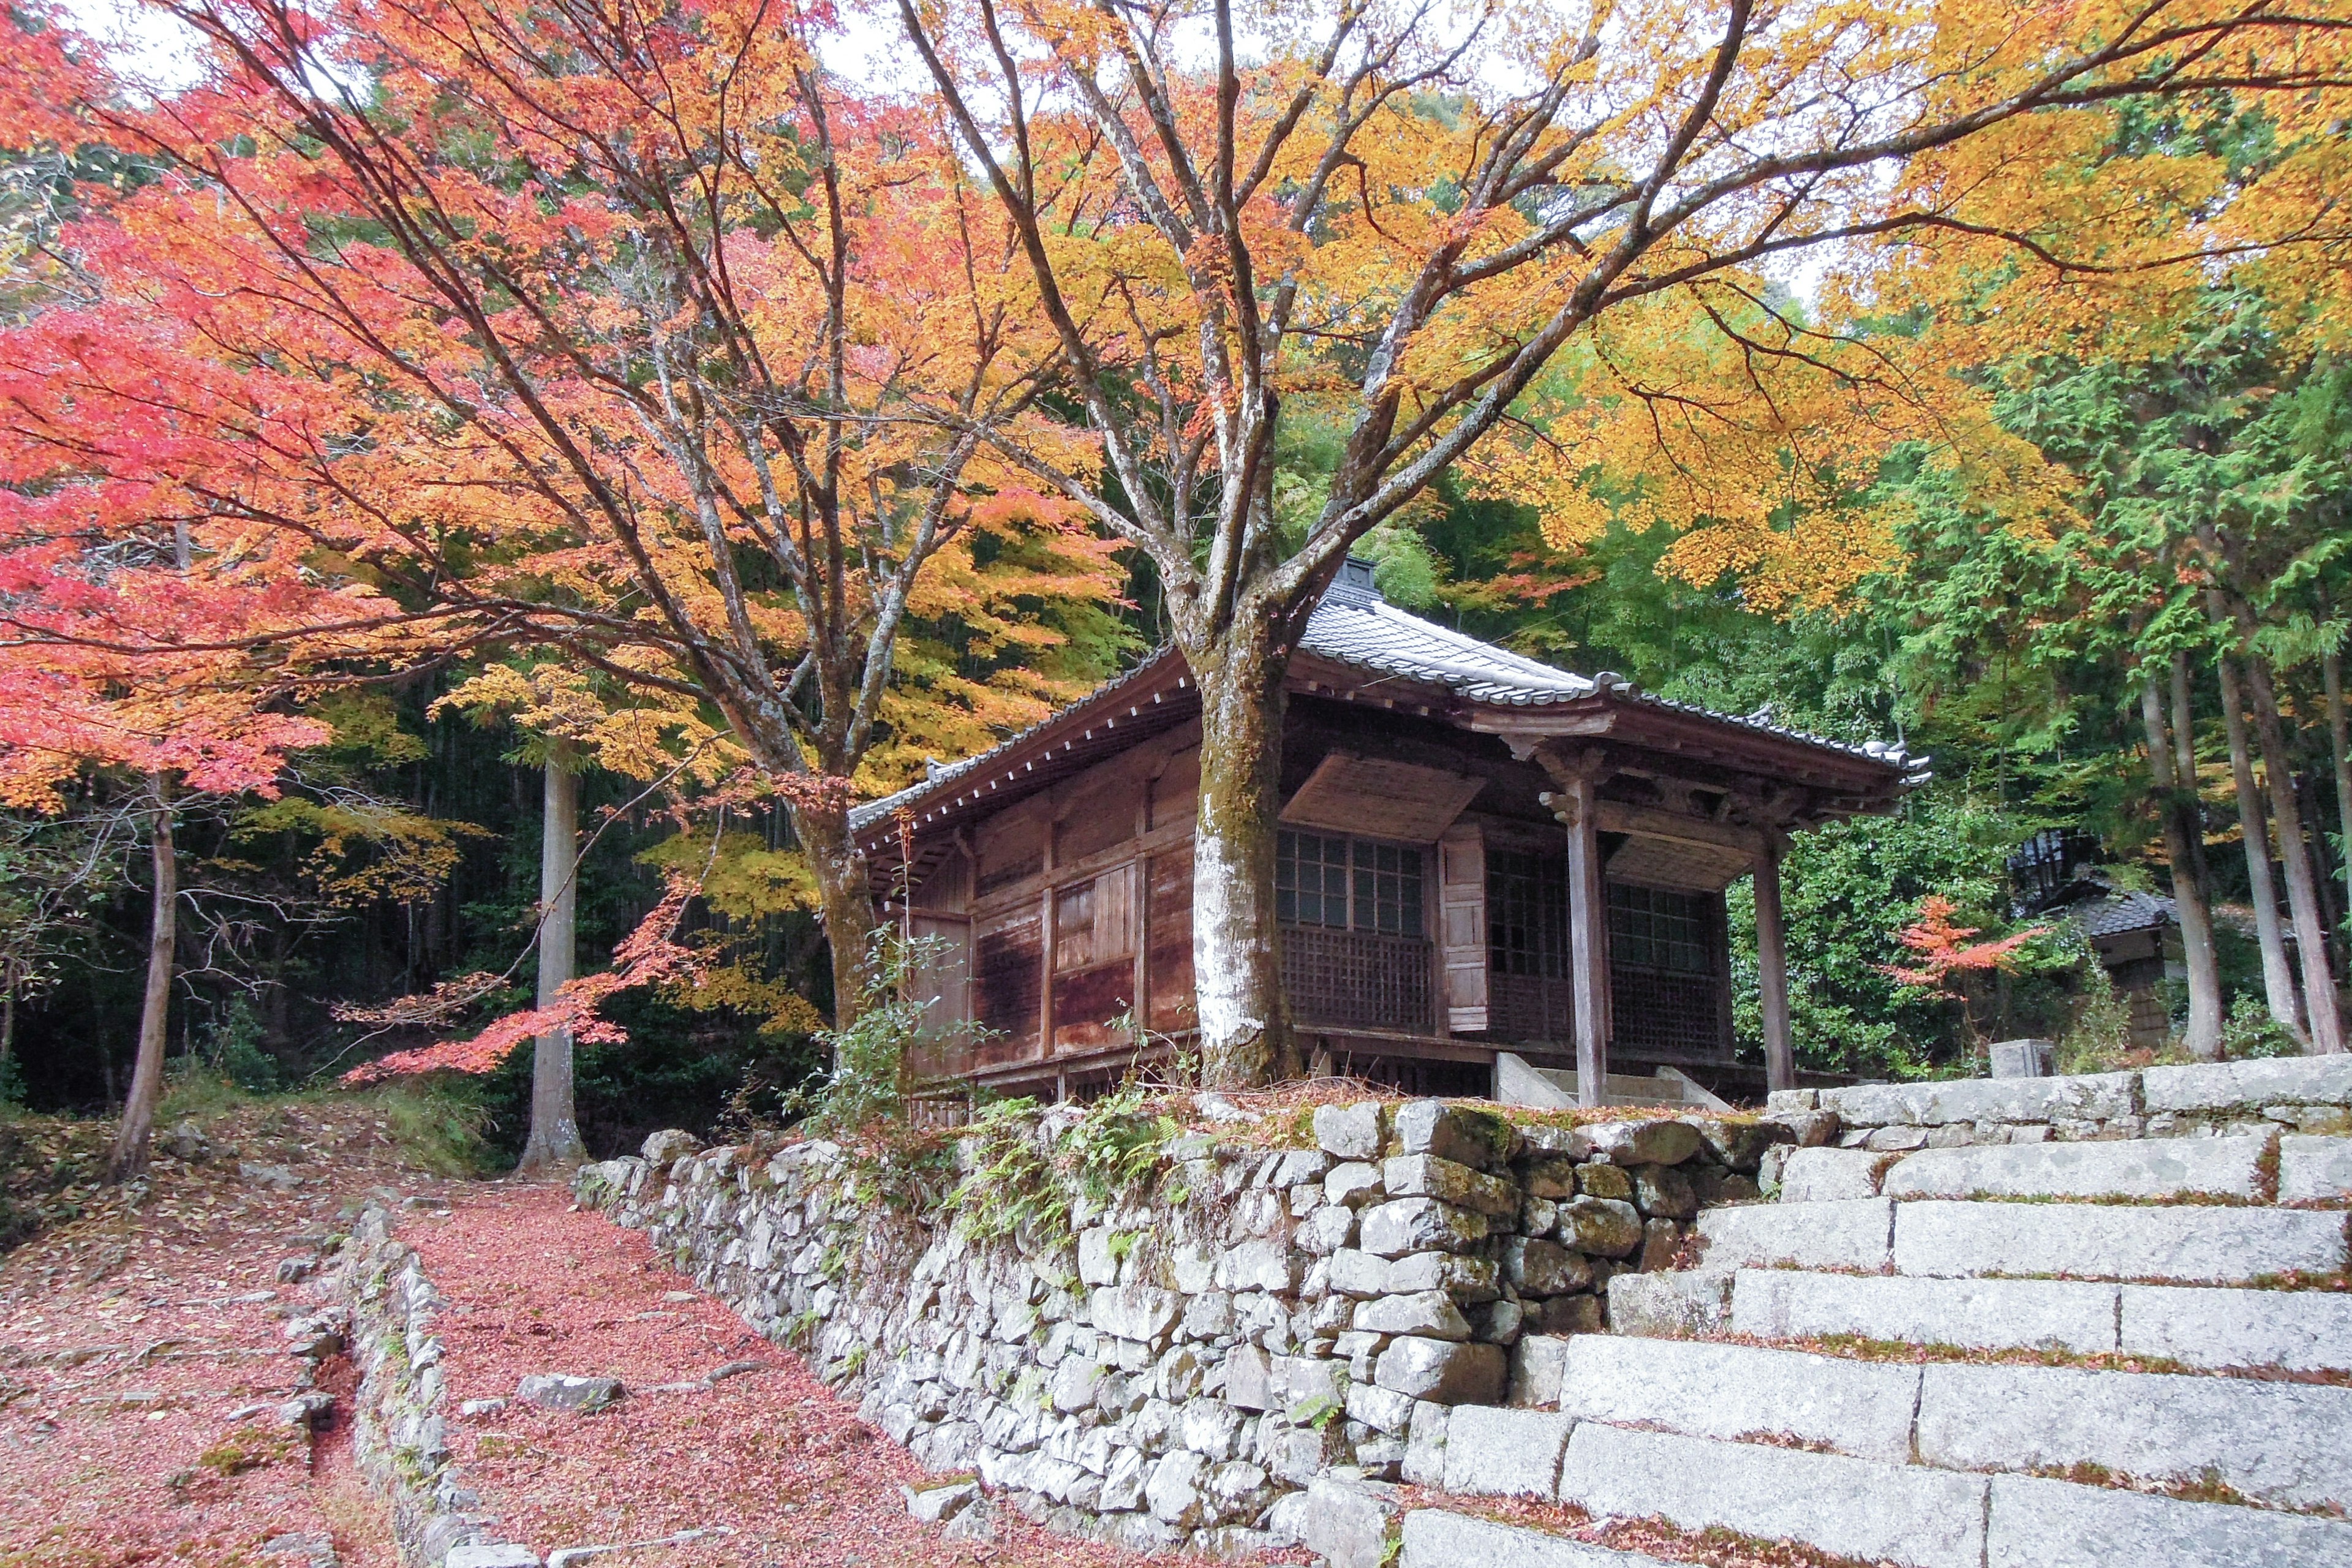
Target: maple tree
100 674
1498 239
628 336
1945 959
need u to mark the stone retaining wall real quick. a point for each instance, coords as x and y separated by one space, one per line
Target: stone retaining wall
2300 1094
400 1436
1174 1367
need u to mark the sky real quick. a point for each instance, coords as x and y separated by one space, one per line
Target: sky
157 50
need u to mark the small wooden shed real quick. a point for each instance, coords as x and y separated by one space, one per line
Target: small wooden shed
1480 854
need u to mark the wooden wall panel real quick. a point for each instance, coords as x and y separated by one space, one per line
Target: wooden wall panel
1009 958
1176 793
1462 926
1169 895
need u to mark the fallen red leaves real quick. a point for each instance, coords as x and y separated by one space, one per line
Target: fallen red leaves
137 1341
774 1456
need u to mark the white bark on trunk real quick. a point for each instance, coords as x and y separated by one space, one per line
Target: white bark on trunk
1236 960
2278 971
130 1140
2184 846
2302 889
554 1139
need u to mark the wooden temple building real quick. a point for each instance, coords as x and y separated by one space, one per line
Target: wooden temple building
1480 858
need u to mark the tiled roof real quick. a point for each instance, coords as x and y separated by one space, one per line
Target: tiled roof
1354 625
1366 632
2120 912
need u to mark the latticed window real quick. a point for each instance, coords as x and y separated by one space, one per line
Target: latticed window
1310 879
1356 884
1651 927
1526 913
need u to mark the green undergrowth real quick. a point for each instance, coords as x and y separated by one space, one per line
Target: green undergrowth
1022 1177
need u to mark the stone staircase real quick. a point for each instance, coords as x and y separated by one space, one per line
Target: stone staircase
2037 1354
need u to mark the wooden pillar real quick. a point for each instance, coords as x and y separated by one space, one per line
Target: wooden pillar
1588 937
1772 966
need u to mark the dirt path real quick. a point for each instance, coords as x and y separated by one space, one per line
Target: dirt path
143 1360
770 1456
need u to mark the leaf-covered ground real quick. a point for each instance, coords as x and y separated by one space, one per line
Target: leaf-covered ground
142 1359
771 1455
142 1353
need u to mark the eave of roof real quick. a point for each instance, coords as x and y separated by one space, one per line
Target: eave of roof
1356 629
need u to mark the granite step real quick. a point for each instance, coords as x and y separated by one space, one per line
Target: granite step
2038 1523
2074 1316
2239 1170
1436 1538
1701 1388
2212 1328
1855 1235
2272 1442
1912 1515
2280 1444
2183 1244
2031 1523
2293 1331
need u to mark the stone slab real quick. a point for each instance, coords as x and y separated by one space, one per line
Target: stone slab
1492 1452
1851 1233
1436 1539
1670 1304
2185 1245
2314 1169
1829 1174
1904 1514
2278 1443
1975 1314
2137 1168
1345 1523
2295 1331
2038 1523
2096 1097
2245 1087
1703 1389
1442 1372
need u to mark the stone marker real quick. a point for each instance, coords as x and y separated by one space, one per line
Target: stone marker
2023 1058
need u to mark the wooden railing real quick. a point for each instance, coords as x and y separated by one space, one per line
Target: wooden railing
1357 980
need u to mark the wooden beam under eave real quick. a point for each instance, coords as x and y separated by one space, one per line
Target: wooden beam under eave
1651 822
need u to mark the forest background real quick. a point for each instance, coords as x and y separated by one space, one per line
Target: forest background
400 847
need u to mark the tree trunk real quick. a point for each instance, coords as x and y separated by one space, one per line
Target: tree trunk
129 1156
554 1138
2184 846
7 1032
2340 747
2301 891
2278 970
844 902
1244 1018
